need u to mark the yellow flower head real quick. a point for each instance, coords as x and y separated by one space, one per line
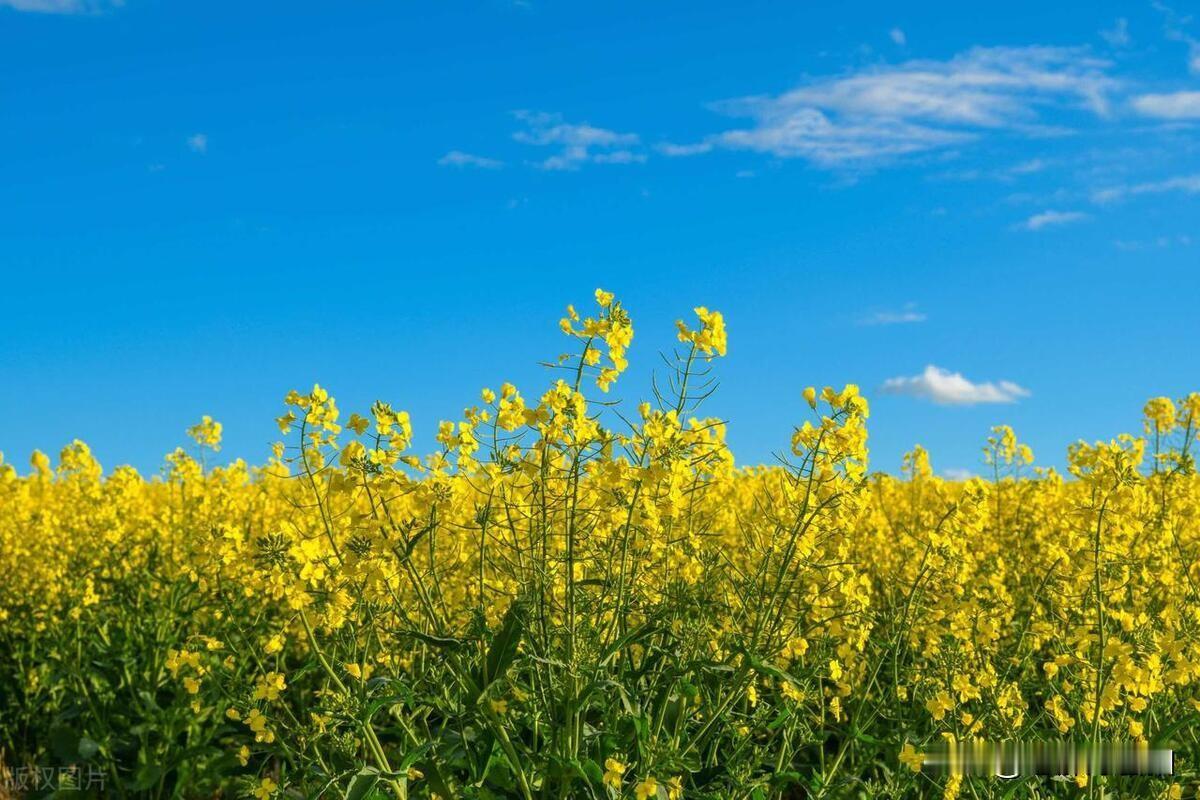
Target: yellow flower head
911 757
646 789
710 339
265 789
206 433
269 686
613 772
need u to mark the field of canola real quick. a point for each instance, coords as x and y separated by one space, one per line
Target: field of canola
575 600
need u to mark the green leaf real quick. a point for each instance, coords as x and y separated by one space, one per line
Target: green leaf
391 700
88 748
412 543
633 637
1016 785
436 641
436 781
1164 735
865 737
782 779
412 756
320 791
147 775
770 670
593 772
64 743
363 784
503 648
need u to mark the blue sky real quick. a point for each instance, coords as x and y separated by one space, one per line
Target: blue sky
205 205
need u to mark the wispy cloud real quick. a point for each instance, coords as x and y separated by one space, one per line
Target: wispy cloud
1172 105
670 149
915 107
457 158
1118 34
1006 174
1027 167
958 474
1050 218
576 144
947 388
1158 243
1174 30
898 36
61 6
908 314
198 143
1188 184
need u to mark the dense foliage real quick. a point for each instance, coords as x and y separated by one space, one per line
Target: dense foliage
575 600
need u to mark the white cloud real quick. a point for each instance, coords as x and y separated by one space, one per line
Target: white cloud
619 157
669 149
577 143
1188 184
898 36
1159 242
1027 167
1173 29
198 143
1118 34
1003 174
1173 105
915 107
457 158
908 314
810 134
958 474
1052 218
952 389
60 6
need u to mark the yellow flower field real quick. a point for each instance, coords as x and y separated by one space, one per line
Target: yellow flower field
575 599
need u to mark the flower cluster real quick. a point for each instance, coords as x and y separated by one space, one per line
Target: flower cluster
568 599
